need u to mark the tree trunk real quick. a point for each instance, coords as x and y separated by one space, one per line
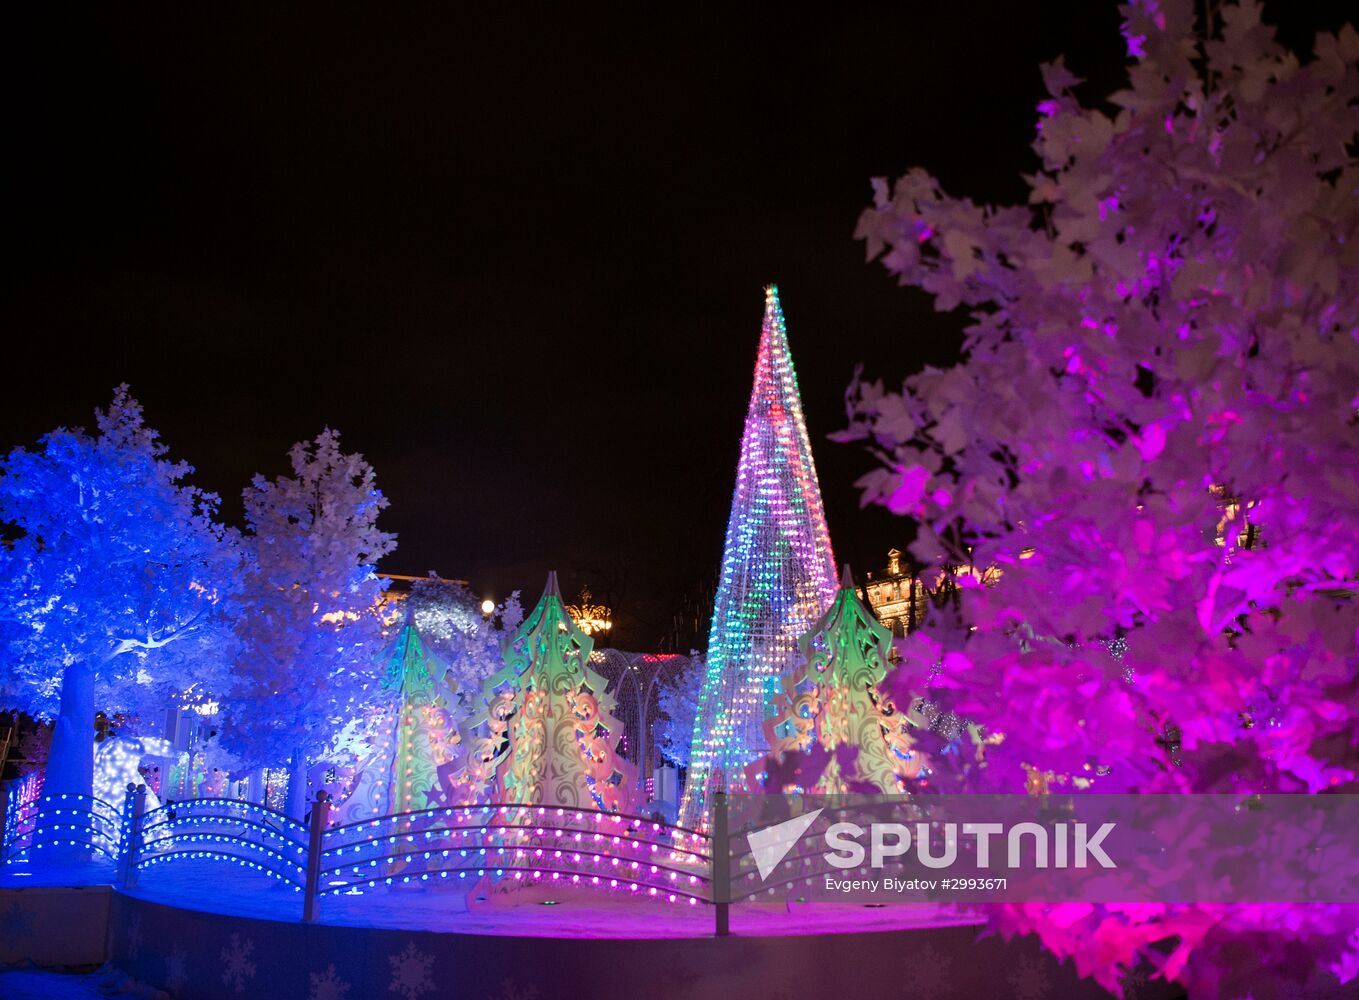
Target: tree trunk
255 789
297 786
70 764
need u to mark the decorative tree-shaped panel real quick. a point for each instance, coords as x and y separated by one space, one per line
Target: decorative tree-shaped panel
426 734
547 729
415 740
778 576
834 701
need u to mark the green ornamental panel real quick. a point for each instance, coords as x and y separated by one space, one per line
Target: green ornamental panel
547 735
833 700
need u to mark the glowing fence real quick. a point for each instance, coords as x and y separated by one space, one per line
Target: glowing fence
252 836
548 845
16 816
481 848
51 822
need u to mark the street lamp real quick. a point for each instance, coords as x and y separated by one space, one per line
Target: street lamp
590 618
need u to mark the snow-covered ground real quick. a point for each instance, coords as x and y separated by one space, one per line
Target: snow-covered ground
538 911
472 907
24 874
41 984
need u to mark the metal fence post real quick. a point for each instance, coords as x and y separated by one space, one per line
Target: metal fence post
4 820
720 859
320 817
135 806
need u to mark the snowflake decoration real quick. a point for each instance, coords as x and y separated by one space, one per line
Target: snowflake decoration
328 985
1029 980
16 922
176 969
412 973
237 967
927 973
510 990
134 937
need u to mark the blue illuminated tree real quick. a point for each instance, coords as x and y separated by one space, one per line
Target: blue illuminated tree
309 633
116 587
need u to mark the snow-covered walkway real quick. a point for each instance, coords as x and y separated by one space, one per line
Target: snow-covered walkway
42 984
539 911
453 906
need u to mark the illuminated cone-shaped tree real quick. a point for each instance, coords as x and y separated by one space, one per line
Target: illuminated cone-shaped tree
778 576
834 701
548 735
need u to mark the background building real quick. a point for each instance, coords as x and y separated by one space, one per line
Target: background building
896 595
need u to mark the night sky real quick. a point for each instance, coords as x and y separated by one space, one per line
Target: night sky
516 262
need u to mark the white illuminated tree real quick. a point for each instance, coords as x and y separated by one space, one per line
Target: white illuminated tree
309 633
116 586
449 618
679 705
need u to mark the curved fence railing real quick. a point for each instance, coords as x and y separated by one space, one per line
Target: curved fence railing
70 821
532 843
241 833
491 846
18 801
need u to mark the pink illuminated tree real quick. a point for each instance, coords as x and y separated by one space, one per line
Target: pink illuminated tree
1152 436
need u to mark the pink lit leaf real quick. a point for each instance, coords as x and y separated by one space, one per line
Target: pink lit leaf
910 490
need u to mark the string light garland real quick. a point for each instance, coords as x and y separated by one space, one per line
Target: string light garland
778 576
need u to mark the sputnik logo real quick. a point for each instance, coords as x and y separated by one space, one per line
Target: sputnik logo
772 844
